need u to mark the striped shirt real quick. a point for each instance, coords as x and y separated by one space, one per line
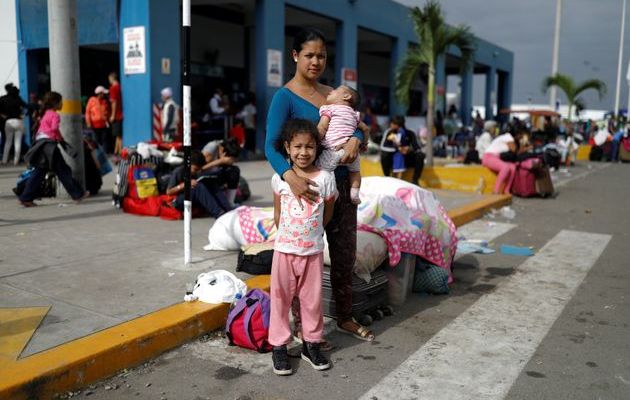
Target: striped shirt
343 123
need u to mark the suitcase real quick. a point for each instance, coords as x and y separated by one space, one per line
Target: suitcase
544 185
624 150
524 184
369 300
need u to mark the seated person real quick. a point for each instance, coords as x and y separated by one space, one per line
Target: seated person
205 195
220 156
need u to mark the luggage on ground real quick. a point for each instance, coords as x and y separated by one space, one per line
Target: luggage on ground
256 258
544 185
248 321
524 184
369 300
624 150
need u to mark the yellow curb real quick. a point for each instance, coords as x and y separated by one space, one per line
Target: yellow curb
472 211
83 361
80 362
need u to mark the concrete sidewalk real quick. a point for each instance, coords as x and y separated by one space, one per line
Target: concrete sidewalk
98 267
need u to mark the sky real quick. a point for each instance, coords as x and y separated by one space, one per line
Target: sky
589 42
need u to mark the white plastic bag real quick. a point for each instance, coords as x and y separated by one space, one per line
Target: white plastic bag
218 286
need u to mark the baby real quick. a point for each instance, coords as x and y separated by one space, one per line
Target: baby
338 122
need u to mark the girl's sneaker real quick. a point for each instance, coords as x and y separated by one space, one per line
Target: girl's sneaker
280 358
312 354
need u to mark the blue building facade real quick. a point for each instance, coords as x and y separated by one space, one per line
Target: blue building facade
101 24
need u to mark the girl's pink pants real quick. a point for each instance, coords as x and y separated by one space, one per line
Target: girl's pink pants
299 276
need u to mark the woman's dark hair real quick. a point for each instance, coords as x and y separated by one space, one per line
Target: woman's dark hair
307 35
294 126
51 100
231 147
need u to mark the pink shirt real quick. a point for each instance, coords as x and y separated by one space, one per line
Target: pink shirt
343 123
301 230
49 126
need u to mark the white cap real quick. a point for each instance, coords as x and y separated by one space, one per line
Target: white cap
167 92
100 89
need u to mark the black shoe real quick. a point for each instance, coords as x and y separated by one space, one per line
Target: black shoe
280 358
312 354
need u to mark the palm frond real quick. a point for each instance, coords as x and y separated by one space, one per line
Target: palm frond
594 84
462 38
407 72
564 82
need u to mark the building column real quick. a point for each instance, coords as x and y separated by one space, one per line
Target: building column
345 51
490 95
399 50
465 103
162 64
269 42
440 84
504 93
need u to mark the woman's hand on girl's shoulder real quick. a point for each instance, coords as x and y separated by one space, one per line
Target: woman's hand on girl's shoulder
301 187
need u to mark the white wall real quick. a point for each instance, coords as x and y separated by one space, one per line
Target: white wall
8 45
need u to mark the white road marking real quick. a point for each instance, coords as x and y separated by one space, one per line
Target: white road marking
481 352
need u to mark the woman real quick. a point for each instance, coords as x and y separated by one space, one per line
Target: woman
97 113
45 155
13 107
492 159
301 97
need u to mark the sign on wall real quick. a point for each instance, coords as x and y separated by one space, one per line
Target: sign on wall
135 51
274 68
349 77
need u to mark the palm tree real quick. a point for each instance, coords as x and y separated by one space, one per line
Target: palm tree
573 91
435 38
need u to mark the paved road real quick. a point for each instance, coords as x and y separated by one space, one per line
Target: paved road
551 326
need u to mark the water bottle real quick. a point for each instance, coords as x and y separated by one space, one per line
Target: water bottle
237 297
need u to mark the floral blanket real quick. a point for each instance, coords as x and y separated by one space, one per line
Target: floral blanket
409 218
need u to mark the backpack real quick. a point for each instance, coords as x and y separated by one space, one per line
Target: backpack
255 259
142 182
248 321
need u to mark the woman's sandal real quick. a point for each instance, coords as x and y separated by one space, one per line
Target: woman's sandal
361 332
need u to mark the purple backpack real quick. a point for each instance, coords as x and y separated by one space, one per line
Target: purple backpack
248 321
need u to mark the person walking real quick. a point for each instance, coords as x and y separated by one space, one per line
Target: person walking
12 107
301 98
97 113
45 155
116 116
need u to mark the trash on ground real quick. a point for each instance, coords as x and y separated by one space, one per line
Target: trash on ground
473 246
508 212
516 250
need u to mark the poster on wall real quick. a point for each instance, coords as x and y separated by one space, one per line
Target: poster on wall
349 77
134 48
274 68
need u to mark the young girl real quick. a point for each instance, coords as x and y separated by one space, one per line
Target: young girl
45 155
298 252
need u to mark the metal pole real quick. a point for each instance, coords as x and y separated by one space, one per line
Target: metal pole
187 139
65 77
628 104
621 34
556 49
